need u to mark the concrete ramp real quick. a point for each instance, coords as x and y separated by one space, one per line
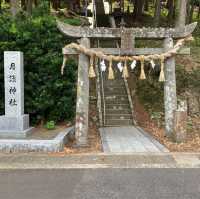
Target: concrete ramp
129 140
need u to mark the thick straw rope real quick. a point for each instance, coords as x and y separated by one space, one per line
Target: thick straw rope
141 58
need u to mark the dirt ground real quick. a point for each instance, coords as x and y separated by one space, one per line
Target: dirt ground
192 143
94 140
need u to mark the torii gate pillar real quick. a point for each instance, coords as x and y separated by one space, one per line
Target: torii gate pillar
82 105
170 98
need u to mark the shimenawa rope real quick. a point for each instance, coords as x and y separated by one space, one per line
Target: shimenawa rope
142 58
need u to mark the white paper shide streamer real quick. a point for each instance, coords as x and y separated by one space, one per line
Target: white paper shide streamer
133 65
120 66
152 64
103 66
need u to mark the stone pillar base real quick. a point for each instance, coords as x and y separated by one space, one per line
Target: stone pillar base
15 127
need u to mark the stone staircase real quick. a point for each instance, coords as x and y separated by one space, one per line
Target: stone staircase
117 107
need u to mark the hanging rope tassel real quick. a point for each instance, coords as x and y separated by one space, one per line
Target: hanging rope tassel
91 70
110 71
125 71
162 74
63 65
142 74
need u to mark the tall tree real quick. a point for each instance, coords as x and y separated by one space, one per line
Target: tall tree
23 4
192 2
171 10
157 12
29 6
55 4
14 7
182 13
146 5
138 8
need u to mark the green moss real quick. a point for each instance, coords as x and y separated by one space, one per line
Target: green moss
72 21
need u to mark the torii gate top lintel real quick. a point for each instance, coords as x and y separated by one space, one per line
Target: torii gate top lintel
153 33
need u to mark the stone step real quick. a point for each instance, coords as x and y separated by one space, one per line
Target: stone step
116 92
117 103
120 99
116 79
113 88
115 106
112 83
118 116
113 111
118 122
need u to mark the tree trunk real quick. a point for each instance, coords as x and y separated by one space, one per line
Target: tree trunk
171 10
35 3
23 4
188 12
29 6
14 7
138 8
182 13
55 4
146 5
191 11
157 13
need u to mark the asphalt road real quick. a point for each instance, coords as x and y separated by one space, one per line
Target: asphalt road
100 184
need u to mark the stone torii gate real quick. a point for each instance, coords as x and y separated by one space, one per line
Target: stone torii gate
127 36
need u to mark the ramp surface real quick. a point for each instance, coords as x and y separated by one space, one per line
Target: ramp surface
129 139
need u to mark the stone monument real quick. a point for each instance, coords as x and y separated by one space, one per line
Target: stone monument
14 123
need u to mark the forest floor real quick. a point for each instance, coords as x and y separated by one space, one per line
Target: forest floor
192 143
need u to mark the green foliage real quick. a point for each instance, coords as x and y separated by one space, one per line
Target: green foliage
151 92
72 21
187 79
48 95
51 125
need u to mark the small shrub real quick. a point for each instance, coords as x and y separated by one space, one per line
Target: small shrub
50 125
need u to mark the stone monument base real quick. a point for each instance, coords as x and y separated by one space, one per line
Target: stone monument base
16 127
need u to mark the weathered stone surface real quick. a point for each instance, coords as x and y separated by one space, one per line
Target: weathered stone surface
135 51
14 83
127 40
180 122
14 123
193 102
82 105
156 33
15 126
170 99
33 145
